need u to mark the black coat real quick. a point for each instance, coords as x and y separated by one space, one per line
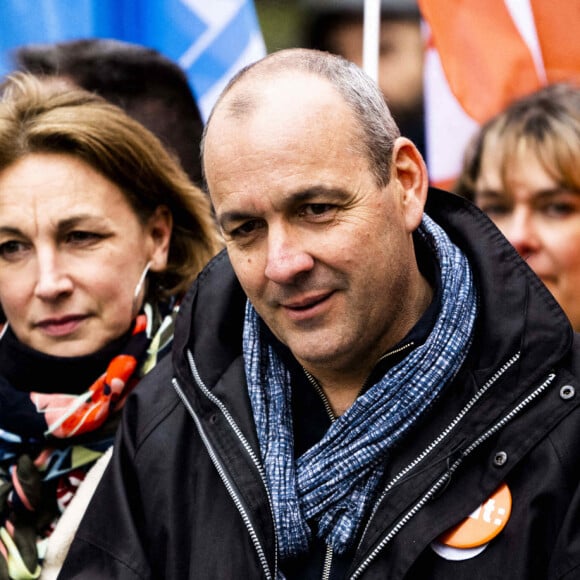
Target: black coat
184 496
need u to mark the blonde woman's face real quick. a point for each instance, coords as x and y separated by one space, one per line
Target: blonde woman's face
72 251
540 217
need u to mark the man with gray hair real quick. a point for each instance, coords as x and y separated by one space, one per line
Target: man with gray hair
368 383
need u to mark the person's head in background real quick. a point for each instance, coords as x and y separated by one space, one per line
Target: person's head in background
96 218
150 87
523 169
337 26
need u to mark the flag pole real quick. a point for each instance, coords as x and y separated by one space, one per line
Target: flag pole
371 31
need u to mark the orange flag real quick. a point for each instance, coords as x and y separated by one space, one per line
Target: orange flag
482 55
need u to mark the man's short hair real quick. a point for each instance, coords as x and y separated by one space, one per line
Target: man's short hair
361 94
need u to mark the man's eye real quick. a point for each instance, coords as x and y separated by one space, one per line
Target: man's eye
246 229
317 209
12 249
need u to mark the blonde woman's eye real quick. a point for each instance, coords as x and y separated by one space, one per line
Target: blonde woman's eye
495 209
559 209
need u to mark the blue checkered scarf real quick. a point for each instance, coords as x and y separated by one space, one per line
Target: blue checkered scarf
334 482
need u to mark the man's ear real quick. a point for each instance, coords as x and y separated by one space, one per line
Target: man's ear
410 172
160 226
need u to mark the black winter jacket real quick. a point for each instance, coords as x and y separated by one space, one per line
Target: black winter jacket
184 496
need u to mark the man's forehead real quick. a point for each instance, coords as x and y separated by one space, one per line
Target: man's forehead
261 94
279 121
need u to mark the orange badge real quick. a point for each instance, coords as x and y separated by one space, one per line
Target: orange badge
484 524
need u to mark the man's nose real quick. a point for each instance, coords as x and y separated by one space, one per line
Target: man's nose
287 256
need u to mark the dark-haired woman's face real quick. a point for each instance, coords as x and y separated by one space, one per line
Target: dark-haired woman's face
72 251
541 219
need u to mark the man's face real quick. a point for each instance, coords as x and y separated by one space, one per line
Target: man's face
321 250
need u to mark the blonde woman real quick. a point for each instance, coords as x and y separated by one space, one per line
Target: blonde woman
523 170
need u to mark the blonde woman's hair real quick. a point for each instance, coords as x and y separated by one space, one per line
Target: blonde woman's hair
547 122
42 116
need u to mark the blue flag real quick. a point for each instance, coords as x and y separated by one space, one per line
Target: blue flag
210 39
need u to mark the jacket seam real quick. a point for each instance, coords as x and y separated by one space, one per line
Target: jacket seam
154 422
562 573
115 557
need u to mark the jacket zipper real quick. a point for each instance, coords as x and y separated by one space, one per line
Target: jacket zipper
327 563
314 382
222 472
444 434
327 568
316 386
444 479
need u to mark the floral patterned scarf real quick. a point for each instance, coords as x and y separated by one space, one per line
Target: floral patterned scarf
49 441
